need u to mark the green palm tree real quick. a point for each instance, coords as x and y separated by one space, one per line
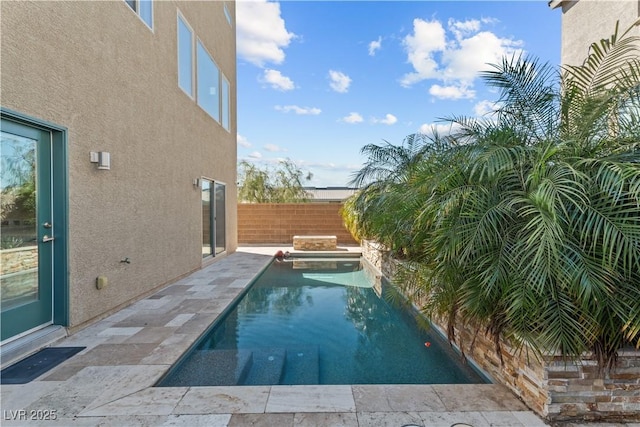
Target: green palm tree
528 223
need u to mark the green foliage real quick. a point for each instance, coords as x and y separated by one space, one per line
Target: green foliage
264 185
527 223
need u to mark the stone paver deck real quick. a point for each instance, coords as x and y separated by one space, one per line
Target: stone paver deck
110 383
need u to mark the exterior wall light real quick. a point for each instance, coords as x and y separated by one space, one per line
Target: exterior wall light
102 158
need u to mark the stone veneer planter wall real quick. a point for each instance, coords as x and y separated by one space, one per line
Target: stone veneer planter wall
18 259
552 388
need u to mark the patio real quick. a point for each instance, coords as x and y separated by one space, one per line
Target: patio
110 382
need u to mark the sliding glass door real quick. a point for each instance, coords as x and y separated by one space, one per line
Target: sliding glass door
213 218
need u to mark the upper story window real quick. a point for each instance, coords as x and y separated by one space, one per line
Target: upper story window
200 77
185 57
227 14
225 104
208 77
144 9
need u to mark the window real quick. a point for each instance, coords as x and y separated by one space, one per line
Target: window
225 104
208 77
185 57
144 9
227 14
200 77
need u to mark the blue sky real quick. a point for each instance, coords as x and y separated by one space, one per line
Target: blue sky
318 80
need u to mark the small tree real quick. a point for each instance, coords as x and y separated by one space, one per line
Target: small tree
264 185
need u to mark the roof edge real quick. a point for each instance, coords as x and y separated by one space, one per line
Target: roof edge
554 4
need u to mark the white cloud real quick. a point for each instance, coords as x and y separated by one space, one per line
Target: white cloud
484 108
389 119
299 110
255 155
243 142
427 39
261 32
339 81
352 118
442 129
463 28
274 148
452 92
374 46
473 54
277 80
454 58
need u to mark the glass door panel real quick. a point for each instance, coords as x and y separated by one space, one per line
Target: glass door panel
219 219
27 233
206 218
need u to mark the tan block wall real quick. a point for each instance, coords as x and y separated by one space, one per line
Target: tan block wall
278 223
98 70
553 388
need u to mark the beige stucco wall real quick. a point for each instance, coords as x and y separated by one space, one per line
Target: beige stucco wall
97 69
588 21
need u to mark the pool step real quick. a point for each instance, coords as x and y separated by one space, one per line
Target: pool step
267 365
212 367
303 366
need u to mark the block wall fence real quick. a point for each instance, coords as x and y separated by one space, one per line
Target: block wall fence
556 390
263 223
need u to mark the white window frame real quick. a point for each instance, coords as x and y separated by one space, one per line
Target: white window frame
181 18
227 14
218 83
225 120
136 10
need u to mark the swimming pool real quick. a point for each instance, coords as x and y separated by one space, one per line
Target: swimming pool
318 321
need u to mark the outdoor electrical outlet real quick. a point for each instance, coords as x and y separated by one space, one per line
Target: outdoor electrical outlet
101 282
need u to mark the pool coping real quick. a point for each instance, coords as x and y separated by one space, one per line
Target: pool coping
113 379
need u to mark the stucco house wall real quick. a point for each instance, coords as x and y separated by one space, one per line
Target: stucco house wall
588 21
97 69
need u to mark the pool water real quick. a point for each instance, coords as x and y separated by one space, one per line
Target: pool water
314 321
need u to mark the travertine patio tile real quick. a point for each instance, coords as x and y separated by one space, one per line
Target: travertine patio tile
144 318
170 349
150 401
152 334
114 354
151 304
199 322
192 305
62 372
221 281
529 419
15 397
447 419
174 289
311 398
401 398
261 420
224 400
502 419
388 419
179 320
209 420
119 315
323 419
478 397
135 379
239 283
120 331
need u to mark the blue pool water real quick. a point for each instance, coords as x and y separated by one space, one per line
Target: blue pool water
310 321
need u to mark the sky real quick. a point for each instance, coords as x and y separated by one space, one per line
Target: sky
318 80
